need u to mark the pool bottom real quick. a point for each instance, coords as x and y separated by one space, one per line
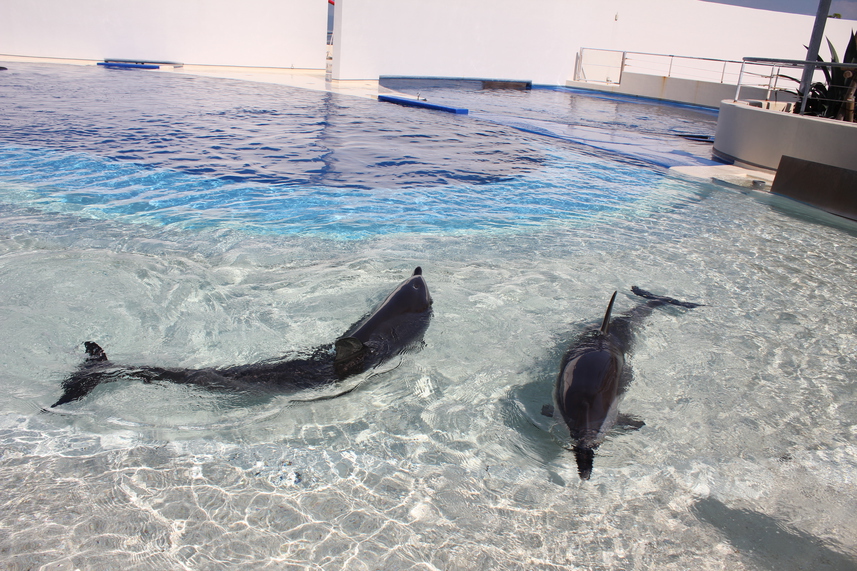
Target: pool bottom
203 504
443 460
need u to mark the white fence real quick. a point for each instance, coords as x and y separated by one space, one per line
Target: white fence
607 66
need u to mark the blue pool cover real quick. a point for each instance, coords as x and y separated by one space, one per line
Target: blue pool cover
408 102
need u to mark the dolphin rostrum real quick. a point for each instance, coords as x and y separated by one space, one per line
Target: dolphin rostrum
593 377
395 325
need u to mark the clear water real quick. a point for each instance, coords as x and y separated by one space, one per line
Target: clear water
191 222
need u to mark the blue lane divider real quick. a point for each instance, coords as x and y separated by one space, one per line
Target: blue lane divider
423 104
123 65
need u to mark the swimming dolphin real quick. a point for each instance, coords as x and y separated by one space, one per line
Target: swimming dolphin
593 377
395 325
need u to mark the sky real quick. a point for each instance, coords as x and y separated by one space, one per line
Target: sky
847 8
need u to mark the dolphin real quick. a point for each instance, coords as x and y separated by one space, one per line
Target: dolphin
593 377
394 326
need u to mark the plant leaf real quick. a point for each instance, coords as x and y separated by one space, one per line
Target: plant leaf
788 77
833 57
850 55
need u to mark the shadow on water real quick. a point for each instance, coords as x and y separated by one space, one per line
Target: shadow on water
771 543
540 436
802 212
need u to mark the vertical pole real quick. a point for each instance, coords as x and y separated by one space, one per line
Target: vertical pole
812 51
740 77
771 77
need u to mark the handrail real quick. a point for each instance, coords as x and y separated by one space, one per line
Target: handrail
795 62
684 57
792 63
638 62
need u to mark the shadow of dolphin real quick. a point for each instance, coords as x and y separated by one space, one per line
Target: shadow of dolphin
771 543
593 377
394 326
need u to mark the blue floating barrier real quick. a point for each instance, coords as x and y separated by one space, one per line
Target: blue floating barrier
126 65
419 103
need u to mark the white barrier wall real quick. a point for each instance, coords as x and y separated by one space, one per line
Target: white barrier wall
505 39
539 39
760 137
266 33
534 40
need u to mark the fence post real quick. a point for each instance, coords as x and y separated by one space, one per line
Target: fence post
804 93
740 77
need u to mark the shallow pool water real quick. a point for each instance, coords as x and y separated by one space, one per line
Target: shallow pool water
188 255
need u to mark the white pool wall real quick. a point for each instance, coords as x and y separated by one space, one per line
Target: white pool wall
760 137
259 33
538 40
533 40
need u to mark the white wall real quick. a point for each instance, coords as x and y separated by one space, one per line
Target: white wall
266 33
696 28
538 39
505 39
760 137
502 39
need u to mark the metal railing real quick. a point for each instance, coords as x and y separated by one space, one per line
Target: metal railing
607 66
771 70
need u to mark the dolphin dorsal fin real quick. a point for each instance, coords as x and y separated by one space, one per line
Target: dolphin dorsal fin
605 324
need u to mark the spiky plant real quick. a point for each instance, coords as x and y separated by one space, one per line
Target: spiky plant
826 99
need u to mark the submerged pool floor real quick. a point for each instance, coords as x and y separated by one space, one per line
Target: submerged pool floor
214 222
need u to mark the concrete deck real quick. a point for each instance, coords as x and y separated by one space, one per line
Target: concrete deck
314 79
730 175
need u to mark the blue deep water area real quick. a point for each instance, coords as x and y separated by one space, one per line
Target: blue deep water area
187 150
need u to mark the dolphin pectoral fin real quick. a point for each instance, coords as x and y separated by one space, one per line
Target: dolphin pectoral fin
348 347
628 422
350 356
547 410
605 323
664 299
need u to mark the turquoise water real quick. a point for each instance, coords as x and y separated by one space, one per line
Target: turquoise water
191 222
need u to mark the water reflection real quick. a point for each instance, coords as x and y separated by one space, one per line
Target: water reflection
268 134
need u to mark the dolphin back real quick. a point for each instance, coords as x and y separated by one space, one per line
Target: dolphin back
593 376
396 324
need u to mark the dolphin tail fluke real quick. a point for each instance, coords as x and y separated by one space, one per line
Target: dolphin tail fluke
94 352
663 299
350 356
605 323
88 376
585 457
